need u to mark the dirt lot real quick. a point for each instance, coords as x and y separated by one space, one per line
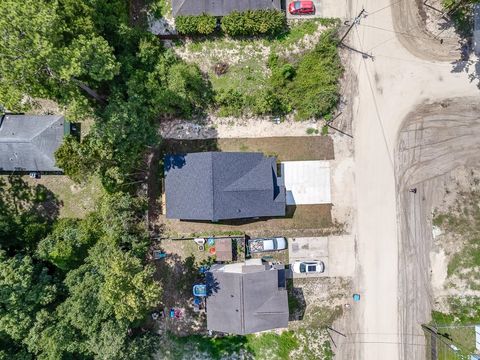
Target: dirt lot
436 139
284 148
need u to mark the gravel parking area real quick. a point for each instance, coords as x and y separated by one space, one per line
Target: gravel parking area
336 252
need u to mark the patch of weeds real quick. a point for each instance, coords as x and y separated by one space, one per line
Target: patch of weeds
463 219
462 311
160 8
217 233
295 33
272 346
310 86
243 147
325 130
262 346
322 316
311 131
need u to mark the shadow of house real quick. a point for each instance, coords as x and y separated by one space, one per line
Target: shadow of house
245 298
215 186
28 142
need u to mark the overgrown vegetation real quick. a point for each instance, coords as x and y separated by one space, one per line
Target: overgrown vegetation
195 25
254 22
461 12
307 85
262 346
86 57
463 220
72 288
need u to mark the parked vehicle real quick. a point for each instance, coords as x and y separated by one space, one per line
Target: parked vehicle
307 267
267 244
301 8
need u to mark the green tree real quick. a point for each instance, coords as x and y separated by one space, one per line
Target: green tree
41 57
25 289
67 245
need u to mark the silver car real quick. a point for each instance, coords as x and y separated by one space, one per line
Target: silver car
308 267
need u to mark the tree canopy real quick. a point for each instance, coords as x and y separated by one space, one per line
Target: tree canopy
80 288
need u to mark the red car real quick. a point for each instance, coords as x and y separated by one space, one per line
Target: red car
301 8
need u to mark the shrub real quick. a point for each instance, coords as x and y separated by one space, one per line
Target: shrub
230 102
194 25
254 22
311 85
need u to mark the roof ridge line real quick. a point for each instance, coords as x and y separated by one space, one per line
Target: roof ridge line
213 184
56 118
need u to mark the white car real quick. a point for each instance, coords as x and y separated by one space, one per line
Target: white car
307 267
267 244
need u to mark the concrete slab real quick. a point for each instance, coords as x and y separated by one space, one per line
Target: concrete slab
337 253
306 182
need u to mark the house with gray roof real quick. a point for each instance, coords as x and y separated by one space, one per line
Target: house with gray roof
217 186
220 7
245 298
28 142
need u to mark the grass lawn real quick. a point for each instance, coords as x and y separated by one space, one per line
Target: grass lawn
75 200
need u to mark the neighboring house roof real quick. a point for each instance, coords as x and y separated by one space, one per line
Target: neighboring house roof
220 7
217 186
245 302
28 142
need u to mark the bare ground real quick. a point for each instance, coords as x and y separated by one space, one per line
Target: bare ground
419 30
435 139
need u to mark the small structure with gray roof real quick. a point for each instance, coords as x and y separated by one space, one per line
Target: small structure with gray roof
245 298
220 7
28 142
217 186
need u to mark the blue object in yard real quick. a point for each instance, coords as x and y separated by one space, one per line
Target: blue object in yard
158 254
172 313
197 300
211 241
356 297
203 269
200 290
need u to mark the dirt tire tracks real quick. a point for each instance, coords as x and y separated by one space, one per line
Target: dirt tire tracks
435 139
409 21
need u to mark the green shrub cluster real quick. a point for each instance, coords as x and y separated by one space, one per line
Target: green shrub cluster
254 22
308 86
196 25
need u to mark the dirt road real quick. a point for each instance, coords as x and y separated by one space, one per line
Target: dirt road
435 139
390 85
410 20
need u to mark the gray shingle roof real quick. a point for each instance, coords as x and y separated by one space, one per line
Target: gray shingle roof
220 7
28 142
247 302
217 186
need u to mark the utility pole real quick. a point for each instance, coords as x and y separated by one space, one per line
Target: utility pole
355 22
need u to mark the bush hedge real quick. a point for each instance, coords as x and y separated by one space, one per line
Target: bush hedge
254 22
196 25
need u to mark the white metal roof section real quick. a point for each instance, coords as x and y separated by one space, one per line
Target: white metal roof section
306 182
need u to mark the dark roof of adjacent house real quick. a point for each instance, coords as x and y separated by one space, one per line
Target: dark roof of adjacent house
220 7
28 142
247 302
216 186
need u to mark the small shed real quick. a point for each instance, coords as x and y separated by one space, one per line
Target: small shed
224 251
